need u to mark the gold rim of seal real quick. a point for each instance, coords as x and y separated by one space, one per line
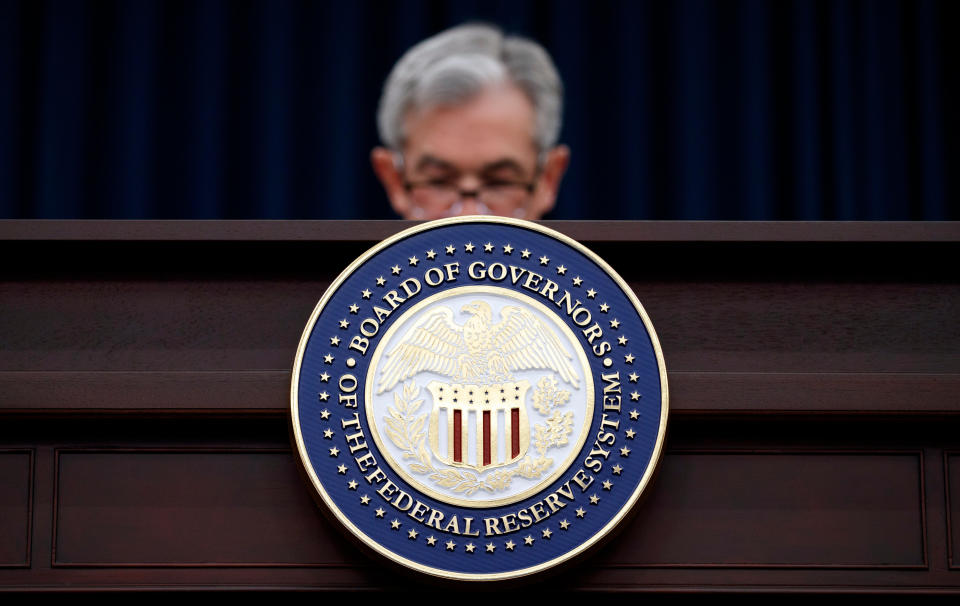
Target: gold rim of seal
441 572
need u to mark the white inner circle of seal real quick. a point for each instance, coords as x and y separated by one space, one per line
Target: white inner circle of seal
479 396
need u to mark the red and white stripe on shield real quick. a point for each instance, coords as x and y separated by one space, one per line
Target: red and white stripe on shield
493 418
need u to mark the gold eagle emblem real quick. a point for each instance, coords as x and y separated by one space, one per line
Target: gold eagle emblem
479 351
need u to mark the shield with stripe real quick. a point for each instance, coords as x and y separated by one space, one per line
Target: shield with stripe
479 426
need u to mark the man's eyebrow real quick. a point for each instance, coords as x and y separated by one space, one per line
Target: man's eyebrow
429 161
507 164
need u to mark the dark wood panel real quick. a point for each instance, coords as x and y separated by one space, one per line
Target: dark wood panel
255 324
780 509
267 392
187 508
805 327
951 461
222 392
810 366
211 324
16 507
337 231
826 392
213 508
117 437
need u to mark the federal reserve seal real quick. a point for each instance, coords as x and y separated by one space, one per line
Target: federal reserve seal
479 399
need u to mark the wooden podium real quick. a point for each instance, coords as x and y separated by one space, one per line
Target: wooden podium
813 444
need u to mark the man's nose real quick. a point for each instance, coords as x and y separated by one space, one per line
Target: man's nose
470 205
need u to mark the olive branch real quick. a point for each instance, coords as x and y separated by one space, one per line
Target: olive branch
548 396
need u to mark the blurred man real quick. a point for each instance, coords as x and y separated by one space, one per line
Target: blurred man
469 119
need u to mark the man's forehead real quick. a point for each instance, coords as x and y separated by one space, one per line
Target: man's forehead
504 164
495 126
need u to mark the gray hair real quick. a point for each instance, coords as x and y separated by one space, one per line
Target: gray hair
456 64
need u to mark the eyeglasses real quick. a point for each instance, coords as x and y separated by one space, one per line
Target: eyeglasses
500 197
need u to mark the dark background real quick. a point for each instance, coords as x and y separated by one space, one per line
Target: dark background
674 110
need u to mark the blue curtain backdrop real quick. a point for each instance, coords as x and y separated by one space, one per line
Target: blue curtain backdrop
689 109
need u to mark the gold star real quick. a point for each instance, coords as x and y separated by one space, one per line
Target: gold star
490 547
622 340
634 396
381 281
633 377
564 524
364 500
507 249
352 484
413 261
594 499
366 293
334 451
591 293
604 307
624 452
617 470
525 254
328 358
631 433
450 249
431 254
509 545
634 415
324 377
488 247
546 533
614 323
395 270
412 534
469 247
451 545
335 341
354 308
324 414
577 281
342 469
380 512
431 540
344 324
607 485
544 260
628 358
470 547
328 434
581 512
395 524
528 540
561 270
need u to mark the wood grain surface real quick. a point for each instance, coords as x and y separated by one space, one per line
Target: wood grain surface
814 443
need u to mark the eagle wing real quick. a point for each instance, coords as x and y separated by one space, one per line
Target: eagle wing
435 344
524 342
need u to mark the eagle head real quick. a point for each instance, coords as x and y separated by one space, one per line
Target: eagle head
479 309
